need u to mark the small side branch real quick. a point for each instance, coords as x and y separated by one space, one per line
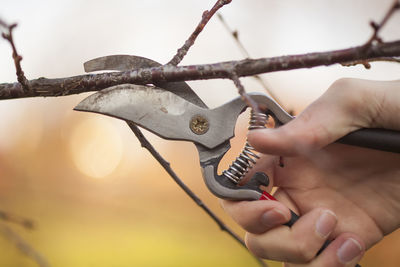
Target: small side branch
17 58
378 26
367 64
207 15
245 97
146 144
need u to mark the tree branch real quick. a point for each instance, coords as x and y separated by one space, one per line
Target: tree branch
207 15
146 144
168 73
242 92
16 57
376 39
378 26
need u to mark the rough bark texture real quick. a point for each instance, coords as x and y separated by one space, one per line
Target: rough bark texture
246 67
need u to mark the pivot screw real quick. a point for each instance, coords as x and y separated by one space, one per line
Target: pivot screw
199 125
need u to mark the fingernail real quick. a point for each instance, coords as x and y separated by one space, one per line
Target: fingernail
326 223
272 218
349 250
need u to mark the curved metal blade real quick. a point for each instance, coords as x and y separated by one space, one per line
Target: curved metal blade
128 62
164 113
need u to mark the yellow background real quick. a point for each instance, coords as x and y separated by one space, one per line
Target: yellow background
97 198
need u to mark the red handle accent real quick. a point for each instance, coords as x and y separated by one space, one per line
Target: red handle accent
266 196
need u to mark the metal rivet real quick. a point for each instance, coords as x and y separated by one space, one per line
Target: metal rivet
199 125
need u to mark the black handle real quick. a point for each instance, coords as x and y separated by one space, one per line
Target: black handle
293 218
381 139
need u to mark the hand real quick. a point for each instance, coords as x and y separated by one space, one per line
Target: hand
344 193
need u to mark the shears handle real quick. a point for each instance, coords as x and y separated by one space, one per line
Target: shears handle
380 139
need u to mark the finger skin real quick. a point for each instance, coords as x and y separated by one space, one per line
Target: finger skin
298 244
330 258
249 214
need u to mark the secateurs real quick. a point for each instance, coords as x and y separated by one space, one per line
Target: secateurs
173 111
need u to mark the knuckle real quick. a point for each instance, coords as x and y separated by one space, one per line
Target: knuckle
249 240
345 91
353 98
254 246
342 84
313 138
303 253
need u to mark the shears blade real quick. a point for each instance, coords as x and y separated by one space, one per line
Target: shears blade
129 62
166 114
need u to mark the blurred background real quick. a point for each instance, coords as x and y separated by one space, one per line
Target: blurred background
96 197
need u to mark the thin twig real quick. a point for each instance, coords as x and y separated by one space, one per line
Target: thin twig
378 26
367 64
246 54
24 222
17 58
23 246
207 15
235 36
243 94
146 144
3 24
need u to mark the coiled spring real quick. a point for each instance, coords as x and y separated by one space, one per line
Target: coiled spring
247 158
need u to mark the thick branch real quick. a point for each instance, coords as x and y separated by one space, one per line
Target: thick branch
167 73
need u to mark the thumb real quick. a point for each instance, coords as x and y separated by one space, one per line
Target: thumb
324 121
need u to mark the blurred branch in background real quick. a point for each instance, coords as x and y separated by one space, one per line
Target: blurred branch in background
17 240
24 222
245 53
23 246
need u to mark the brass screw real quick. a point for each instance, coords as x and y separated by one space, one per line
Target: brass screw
199 125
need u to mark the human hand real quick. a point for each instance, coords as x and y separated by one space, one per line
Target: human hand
344 193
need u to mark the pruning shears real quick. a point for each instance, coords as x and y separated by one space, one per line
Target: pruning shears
173 111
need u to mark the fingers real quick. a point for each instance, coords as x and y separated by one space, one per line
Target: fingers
345 251
257 216
330 117
268 238
300 243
